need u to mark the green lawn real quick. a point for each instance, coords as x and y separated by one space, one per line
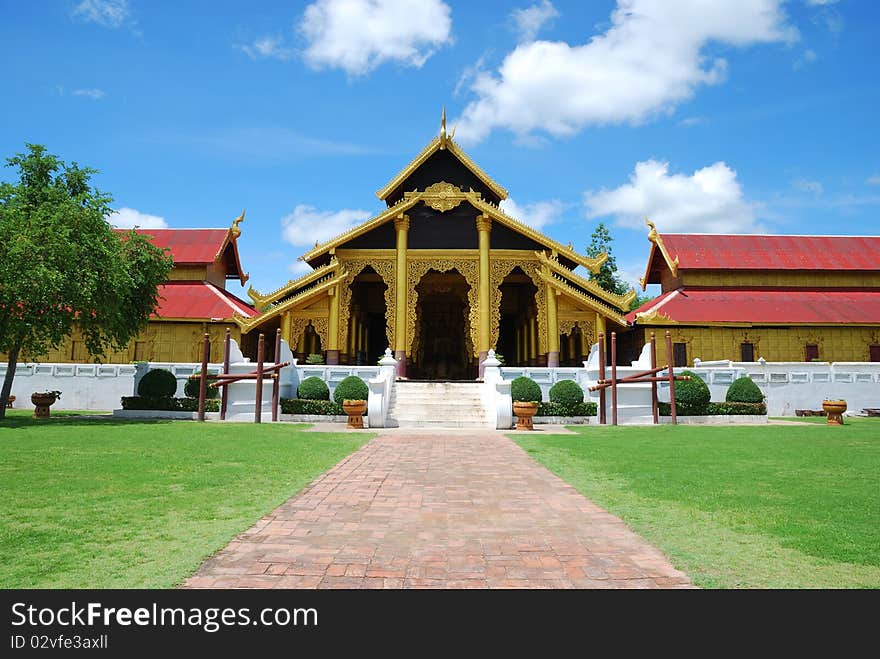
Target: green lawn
739 506
121 504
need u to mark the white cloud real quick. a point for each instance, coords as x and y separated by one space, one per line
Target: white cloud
873 180
270 47
650 59
692 121
530 20
94 94
708 201
805 185
536 215
808 57
109 13
306 224
299 268
359 35
128 218
819 3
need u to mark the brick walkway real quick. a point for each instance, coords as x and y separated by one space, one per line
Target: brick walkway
438 510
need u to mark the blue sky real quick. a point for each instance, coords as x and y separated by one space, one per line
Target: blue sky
747 116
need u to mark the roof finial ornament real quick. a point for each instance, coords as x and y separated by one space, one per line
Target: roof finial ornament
236 231
443 129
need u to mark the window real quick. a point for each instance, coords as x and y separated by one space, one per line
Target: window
140 351
874 351
679 354
747 352
811 352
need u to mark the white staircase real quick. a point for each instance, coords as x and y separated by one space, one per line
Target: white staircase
438 405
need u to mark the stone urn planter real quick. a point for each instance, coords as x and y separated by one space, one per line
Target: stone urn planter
524 412
355 410
834 409
42 401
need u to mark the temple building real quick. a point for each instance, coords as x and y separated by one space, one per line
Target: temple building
441 276
747 297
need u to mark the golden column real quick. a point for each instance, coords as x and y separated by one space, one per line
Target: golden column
484 228
552 327
533 339
333 327
285 331
401 226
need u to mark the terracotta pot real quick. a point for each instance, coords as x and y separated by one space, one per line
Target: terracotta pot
41 404
10 401
834 409
524 413
355 410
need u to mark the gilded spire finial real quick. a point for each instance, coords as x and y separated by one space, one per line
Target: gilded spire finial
443 129
236 231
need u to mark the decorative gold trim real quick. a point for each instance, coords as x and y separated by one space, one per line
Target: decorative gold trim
655 317
441 196
298 325
329 280
433 146
533 270
655 237
261 301
498 271
234 229
559 284
418 268
622 302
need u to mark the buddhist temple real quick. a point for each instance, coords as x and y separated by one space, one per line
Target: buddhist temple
441 276
748 297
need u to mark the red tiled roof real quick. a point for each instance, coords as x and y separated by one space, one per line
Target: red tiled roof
751 252
766 306
199 300
189 246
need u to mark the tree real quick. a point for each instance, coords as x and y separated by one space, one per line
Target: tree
639 300
62 266
600 242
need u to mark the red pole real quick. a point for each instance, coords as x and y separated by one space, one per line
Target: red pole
654 407
224 396
602 419
203 377
613 378
276 382
671 377
258 399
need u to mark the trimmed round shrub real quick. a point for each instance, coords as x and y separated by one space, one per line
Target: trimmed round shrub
692 396
191 388
567 393
525 390
351 388
743 390
158 383
313 388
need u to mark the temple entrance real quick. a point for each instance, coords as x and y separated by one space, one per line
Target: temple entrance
442 347
518 325
367 337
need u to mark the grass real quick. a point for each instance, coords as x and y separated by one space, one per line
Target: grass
779 506
133 504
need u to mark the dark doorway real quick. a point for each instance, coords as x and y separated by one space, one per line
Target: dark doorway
874 353
516 325
747 352
442 347
679 354
367 337
811 352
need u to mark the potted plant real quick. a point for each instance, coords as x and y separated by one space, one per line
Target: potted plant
42 400
10 401
352 394
834 409
526 396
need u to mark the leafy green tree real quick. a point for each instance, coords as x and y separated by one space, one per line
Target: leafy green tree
600 242
639 301
63 266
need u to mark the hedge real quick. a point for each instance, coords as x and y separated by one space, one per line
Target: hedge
313 388
351 388
692 396
191 388
525 390
318 407
168 404
712 409
558 409
567 392
158 383
744 390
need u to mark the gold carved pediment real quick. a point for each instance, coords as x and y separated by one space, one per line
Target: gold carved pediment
442 196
